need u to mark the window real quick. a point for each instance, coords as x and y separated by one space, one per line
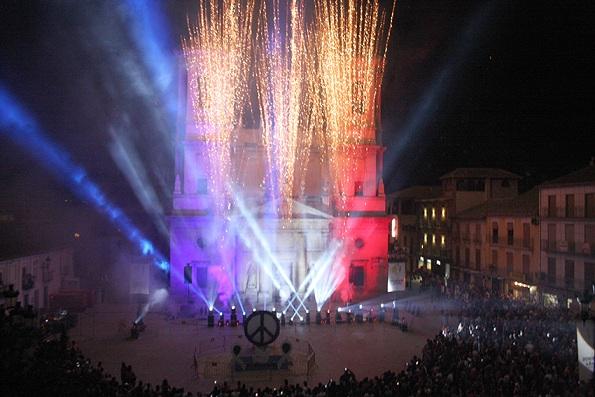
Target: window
569 205
589 275
495 232
526 265
551 206
505 183
477 259
443 213
590 205
495 258
425 238
526 235
356 276
551 270
509 263
569 273
509 233
443 240
470 185
433 239
551 236
589 239
478 232
359 188
569 236
467 255
433 213
458 256
202 186
425 213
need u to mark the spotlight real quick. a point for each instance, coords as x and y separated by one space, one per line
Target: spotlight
221 320
243 317
211 318
328 317
308 317
318 317
234 317
253 309
361 307
338 316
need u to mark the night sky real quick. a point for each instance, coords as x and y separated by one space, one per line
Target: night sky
468 83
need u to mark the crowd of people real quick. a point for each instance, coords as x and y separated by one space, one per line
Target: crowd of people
488 346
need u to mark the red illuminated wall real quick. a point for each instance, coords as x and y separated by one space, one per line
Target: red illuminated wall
363 226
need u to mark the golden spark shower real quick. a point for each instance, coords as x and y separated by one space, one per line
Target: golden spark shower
281 71
218 53
317 77
351 41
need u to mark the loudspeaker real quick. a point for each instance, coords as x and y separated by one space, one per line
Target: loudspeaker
188 274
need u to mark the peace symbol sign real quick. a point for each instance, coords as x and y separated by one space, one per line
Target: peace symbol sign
261 328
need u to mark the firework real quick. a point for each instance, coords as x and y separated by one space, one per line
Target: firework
351 41
218 52
282 86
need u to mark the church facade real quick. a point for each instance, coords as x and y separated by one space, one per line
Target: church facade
259 258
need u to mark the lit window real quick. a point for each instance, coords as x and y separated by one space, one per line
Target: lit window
425 237
425 213
393 228
443 240
443 213
433 213
433 239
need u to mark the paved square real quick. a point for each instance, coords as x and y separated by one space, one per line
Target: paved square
166 348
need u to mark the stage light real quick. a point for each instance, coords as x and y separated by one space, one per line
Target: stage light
382 305
361 307
211 318
233 308
253 309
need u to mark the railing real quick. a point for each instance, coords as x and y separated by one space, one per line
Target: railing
563 212
517 243
568 247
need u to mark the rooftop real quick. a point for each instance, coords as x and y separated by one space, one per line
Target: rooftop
584 176
480 173
526 204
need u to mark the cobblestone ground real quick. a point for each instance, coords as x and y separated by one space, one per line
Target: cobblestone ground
166 348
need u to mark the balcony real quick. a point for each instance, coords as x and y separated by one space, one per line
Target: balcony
517 243
568 248
562 213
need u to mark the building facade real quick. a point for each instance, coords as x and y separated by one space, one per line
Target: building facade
255 256
567 209
39 277
497 245
461 189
